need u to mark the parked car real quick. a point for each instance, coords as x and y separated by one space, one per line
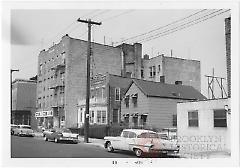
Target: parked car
47 131
58 135
13 126
23 130
140 142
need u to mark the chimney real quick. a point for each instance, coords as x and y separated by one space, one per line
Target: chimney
146 57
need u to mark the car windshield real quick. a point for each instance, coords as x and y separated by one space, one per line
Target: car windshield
148 135
26 127
66 130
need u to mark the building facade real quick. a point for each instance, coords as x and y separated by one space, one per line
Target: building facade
172 70
150 104
62 77
23 102
105 102
204 126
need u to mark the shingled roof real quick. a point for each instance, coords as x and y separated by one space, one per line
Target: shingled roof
157 89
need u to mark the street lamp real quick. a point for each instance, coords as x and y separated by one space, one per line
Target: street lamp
11 71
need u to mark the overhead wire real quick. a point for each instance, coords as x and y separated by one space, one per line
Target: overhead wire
163 26
186 25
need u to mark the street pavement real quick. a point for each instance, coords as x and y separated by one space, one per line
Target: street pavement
36 147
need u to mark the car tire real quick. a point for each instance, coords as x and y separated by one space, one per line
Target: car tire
45 138
138 152
109 147
55 140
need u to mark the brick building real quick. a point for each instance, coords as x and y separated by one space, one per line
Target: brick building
62 76
105 102
23 102
172 70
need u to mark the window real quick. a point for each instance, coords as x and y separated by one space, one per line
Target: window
159 68
142 73
103 117
125 134
91 117
162 79
128 74
220 118
143 120
99 117
150 71
154 71
40 69
134 100
115 115
174 121
178 82
135 121
127 101
132 135
126 119
193 119
117 94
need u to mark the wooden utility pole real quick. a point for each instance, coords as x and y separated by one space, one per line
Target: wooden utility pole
86 114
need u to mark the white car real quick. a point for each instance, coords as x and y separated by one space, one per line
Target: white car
23 130
140 142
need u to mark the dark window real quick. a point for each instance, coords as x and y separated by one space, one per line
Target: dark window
134 100
174 120
193 119
127 101
154 71
162 79
126 119
178 82
143 120
115 115
220 118
150 71
128 74
117 94
142 73
159 68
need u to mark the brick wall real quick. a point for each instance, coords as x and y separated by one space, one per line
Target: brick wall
106 59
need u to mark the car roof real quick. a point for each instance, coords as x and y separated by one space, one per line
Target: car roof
139 131
14 125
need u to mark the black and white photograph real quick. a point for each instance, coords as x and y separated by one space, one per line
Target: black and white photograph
120 83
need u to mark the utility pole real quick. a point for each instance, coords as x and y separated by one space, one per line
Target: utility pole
86 114
12 116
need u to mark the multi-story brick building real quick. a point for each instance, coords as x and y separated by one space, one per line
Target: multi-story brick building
172 70
62 77
23 102
105 102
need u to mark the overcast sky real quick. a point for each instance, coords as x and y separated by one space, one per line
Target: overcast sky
34 30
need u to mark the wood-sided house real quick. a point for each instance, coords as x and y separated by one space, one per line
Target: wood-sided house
153 104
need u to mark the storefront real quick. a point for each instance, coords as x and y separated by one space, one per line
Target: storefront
45 119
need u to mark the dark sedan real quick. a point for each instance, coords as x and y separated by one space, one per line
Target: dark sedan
61 135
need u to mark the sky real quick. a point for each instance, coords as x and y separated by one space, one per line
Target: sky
35 29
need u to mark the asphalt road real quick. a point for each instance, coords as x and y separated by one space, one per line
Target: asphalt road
35 147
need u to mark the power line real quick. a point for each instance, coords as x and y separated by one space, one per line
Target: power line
98 14
162 26
187 25
113 17
169 32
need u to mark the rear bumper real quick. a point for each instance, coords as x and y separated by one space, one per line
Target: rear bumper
68 139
